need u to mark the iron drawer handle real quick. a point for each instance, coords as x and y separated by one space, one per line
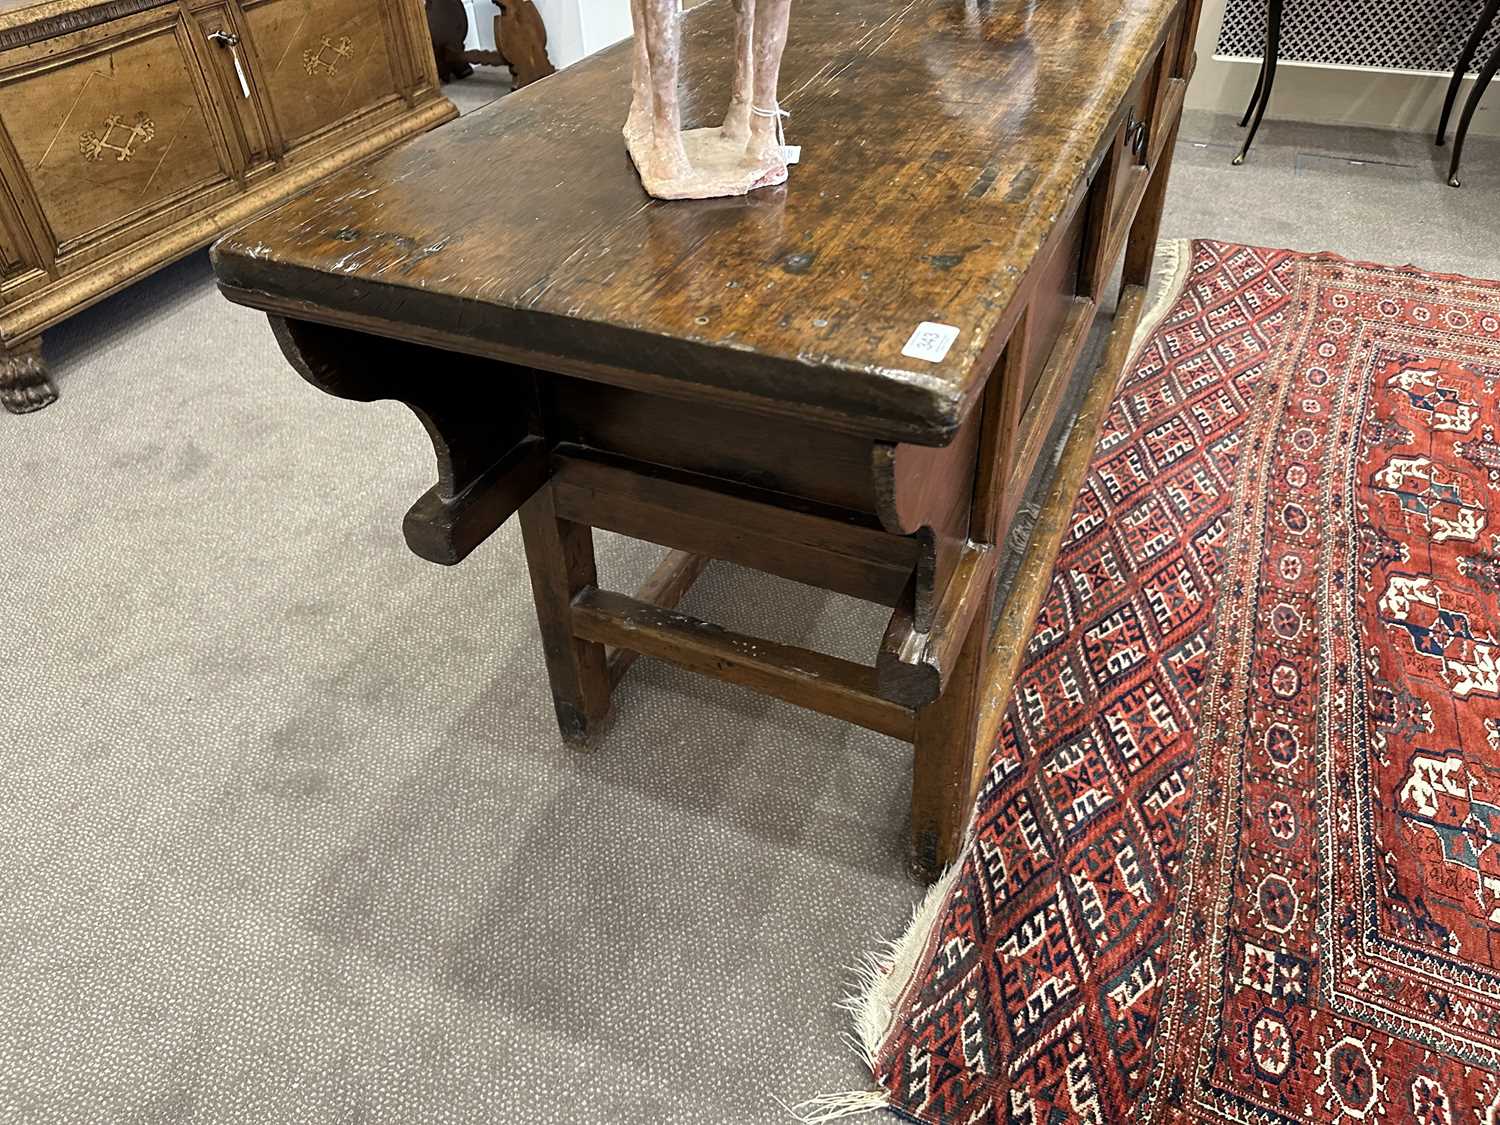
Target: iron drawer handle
1135 133
224 38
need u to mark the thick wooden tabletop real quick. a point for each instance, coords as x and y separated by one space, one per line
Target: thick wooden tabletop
941 141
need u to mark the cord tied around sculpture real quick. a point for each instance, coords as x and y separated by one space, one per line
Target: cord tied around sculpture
779 114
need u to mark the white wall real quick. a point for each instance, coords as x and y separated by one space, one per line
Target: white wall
1324 94
575 28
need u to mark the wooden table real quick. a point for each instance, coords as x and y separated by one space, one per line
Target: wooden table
727 378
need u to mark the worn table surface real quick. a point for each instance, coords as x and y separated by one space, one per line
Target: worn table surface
941 141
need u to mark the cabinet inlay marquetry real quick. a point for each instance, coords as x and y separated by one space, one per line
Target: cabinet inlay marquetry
326 59
117 137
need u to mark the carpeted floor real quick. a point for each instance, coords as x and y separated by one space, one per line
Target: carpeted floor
286 834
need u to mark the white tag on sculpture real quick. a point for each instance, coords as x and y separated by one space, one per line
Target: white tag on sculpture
791 153
930 342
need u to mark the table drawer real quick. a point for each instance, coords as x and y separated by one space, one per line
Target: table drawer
1055 296
784 456
1135 140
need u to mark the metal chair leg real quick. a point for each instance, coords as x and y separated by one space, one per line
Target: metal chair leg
1260 84
1486 76
1273 49
1471 48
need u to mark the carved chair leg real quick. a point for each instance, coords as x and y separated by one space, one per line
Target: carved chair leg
24 385
560 556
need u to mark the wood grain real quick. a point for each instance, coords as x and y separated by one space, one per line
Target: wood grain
894 216
810 545
725 379
809 679
1007 646
666 586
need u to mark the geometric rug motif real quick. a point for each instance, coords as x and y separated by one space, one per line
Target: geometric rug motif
1237 853
1336 954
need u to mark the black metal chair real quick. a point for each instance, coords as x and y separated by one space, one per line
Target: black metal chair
1262 96
1486 76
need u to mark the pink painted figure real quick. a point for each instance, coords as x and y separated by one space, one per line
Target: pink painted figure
741 155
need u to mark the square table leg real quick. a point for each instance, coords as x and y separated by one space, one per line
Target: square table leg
942 792
560 556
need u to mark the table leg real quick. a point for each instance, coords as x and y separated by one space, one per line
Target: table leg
560 556
1486 76
942 791
1471 48
1268 64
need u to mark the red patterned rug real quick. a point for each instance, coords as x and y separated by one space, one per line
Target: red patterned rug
1237 857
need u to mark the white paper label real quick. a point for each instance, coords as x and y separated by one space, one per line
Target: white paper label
930 342
239 72
791 153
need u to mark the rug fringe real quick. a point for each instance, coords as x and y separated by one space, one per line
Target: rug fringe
882 977
1174 260
839 1107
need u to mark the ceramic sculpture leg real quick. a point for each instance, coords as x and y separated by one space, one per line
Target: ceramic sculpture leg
641 102
660 156
737 119
771 18
729 160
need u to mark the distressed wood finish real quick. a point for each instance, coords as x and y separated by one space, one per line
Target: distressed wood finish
665 588
810 679
726 378
128 139
905 209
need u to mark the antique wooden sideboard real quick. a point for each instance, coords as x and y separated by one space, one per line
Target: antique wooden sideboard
134 131
847 381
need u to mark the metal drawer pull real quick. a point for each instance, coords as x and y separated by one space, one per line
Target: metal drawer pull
1135 133
231 43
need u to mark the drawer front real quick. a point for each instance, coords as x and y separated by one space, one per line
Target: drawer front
111 127
319 62
1055 297
1134 143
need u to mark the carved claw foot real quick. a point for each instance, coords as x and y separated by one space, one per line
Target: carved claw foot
24 385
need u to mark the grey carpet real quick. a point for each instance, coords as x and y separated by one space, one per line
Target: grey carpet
286 833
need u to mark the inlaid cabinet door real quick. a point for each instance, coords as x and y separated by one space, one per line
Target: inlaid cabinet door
319 62
110 129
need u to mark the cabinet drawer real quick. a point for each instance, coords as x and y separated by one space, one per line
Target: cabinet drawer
319 62
111 127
